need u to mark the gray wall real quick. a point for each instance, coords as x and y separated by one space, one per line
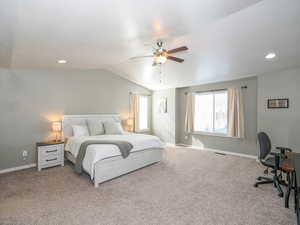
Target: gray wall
29 100
163 124
282 125
244 146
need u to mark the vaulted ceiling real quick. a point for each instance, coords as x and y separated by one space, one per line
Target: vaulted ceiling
227 39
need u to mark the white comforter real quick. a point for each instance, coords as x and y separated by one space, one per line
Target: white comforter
98 152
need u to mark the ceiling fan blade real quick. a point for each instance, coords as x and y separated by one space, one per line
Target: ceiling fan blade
141 57
175 59
172 51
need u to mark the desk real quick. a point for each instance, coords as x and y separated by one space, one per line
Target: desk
291 165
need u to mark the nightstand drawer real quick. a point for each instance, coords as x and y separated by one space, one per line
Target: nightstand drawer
50 149
50 159
50 153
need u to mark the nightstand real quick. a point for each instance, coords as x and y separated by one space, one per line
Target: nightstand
50 154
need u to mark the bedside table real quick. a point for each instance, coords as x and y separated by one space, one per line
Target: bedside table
50 154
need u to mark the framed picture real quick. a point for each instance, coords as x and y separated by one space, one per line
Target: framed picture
163 105
278 103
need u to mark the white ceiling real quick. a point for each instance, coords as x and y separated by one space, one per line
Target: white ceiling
227 39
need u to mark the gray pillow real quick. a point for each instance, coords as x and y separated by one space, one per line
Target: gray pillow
112 127
95 127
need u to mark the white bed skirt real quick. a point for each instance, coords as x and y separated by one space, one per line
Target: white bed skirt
113 167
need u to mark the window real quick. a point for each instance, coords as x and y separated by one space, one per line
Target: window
143 113
211 112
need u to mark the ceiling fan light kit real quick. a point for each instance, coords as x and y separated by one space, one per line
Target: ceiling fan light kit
161 59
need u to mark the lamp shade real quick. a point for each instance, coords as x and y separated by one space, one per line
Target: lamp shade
129 122
56 126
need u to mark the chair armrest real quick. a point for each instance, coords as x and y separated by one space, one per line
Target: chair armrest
280 155
284 149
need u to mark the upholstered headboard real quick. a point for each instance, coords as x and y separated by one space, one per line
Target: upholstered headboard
70 120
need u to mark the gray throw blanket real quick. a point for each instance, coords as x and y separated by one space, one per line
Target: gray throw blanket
124 146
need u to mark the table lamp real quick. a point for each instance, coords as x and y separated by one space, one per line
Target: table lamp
56 127
129 123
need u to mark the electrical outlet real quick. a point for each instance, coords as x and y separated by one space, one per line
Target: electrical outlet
25 154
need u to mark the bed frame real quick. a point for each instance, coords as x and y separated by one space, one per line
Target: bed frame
116 166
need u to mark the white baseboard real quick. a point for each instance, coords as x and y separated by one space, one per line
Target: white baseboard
17 168
222 152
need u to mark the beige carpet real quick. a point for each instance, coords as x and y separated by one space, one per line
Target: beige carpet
188 187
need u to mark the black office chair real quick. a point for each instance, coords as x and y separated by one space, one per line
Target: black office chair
270 162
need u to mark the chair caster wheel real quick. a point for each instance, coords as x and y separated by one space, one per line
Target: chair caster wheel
255 185
280 195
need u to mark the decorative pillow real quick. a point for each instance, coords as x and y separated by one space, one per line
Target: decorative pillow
95 127
80 130
112 127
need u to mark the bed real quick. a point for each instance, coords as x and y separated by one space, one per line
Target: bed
104 162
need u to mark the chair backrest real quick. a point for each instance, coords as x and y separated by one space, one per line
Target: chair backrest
264 144
297 169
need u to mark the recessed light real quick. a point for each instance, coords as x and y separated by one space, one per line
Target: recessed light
270 55
62 61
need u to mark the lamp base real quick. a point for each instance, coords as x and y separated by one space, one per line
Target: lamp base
57 139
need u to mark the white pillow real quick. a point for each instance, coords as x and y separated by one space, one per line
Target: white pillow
112 127
95 127
80 131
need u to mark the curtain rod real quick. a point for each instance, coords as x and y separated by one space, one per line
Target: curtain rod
132 93
223 89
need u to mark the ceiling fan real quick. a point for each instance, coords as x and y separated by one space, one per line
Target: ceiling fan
160 55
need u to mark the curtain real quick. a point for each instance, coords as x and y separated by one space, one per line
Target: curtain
190 113
236 120
135 102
